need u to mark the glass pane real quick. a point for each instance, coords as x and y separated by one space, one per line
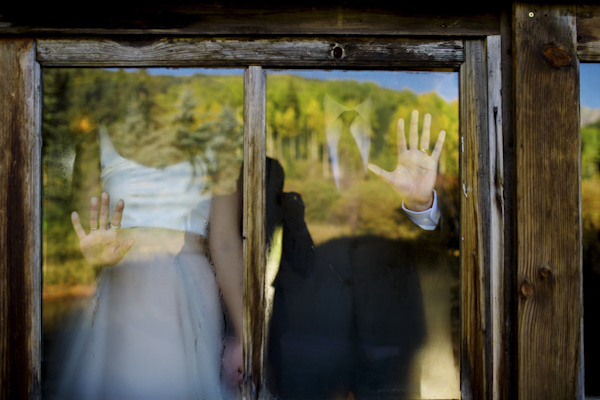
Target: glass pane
363 302
131 305
590 192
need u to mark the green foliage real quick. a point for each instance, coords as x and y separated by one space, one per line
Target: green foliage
295 112
319 196
590 150
153 120
162 120
590 193
363 204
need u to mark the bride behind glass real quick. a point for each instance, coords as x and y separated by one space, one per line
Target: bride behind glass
154 328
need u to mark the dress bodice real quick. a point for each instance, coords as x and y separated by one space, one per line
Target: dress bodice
176 197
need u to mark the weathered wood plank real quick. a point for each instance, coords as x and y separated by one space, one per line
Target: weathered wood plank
20 216
509 385
286 52
588 33
495 177
475 225
255 96
377 17
548 226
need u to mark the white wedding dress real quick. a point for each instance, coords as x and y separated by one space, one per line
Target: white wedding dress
154 328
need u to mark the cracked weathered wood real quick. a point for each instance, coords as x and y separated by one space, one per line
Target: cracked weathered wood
495 177
476 329
588 33
255 96
548 225
339 52
20 220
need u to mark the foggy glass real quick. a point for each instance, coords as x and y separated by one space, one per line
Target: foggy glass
168 143
590 190
362 302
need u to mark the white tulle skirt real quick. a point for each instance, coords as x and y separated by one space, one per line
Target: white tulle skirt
153 330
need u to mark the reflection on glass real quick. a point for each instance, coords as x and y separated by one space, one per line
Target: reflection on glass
363 302
131 301
590 192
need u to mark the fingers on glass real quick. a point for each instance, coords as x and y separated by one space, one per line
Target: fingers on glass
425 134
115 222
94 213
104 213
438 146
401 140
413 134
77 225
104 210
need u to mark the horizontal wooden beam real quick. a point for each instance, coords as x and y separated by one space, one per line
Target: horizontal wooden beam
230 17
588 33
296 52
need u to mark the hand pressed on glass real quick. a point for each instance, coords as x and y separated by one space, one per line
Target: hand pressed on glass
415 175
102 245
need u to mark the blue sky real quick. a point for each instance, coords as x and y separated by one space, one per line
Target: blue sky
444 83
590 85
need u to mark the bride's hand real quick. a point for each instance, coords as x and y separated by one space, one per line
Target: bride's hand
102 245
232 363
416 172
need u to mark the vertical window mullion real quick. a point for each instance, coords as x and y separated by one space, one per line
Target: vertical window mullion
20 216
253 229
476 339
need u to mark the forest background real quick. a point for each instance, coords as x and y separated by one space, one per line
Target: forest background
198 112
195 113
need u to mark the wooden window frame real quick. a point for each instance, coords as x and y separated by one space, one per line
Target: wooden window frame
477 60
588 51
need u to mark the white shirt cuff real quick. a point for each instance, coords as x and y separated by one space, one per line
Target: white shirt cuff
427 219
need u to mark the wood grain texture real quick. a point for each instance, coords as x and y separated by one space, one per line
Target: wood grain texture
476 332
548 227
509 386
378 17
20 216
340 52
254 231
495 177
588 33
475 213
